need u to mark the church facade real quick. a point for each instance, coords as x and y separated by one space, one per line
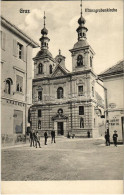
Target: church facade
62 100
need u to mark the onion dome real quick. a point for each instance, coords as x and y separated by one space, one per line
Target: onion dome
81 20
44 31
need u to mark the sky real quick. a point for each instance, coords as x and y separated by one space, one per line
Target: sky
105 30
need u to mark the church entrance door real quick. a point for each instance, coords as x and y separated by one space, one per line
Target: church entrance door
60 128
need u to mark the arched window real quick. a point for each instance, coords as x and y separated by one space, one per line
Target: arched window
81 122
90 61
40 69
8 85
59 93
50 69
39 124
80 60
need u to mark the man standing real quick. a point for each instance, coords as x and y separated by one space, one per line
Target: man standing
37 139
45 136
115 135
53 136
107 139
31 138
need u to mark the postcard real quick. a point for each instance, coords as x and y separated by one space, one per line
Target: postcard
62 112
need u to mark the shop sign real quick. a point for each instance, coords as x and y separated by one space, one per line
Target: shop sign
113 122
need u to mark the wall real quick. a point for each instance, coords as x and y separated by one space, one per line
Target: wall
115 98
11 66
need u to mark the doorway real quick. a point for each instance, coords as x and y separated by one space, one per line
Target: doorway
60 128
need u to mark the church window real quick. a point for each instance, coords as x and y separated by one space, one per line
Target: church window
60 111
81 110
59 93
39 113
50 69
90 61
39 95
80 90
40 69
93 91
80 60
81 122
8 86
19 83
39 124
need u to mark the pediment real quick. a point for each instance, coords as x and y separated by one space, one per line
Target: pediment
59 71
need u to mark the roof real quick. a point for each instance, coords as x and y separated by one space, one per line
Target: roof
116 69
43 53
18 32
81 43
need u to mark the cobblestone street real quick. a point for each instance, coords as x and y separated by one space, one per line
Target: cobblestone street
68 159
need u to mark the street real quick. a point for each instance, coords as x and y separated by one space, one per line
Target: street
68 159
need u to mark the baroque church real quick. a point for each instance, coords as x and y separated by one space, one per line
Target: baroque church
62 100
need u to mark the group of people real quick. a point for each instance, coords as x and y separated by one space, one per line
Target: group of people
107 138
35 138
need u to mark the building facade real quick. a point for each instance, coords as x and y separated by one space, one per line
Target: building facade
62 100
113 80
16 81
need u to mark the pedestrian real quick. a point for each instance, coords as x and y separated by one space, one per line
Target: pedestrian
107 139
88 134
53 136
37 139
68 135
31 138
45 136
115 135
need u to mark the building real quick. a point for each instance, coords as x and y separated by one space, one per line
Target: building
16 81
113 79
63 100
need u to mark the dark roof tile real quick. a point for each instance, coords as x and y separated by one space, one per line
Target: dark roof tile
118 68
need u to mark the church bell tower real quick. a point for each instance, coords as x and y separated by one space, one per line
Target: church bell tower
43 62
82 53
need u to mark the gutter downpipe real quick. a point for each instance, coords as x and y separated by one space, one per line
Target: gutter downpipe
26 88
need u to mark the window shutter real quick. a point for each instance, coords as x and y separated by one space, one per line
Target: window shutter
3 40
15 48
24 53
